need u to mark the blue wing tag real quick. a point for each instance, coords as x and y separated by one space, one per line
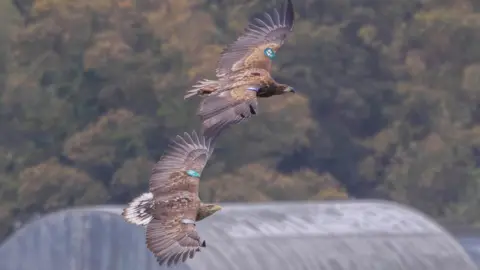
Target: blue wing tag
269 53
193 173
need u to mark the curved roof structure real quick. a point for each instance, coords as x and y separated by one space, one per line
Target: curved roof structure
371 235
469 238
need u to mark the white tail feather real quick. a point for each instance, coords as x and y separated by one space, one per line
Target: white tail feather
139 210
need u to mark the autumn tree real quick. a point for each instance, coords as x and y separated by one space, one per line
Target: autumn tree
386 104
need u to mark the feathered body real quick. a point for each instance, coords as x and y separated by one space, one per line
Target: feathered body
171 208
258 76
243 72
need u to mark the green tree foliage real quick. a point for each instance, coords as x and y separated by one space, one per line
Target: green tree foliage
387 103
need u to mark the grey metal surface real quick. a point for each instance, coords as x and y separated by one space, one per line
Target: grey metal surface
360 235
472 246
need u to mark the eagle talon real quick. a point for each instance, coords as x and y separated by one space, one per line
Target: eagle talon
252 110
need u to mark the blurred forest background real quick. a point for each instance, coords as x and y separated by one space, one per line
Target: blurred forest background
387 103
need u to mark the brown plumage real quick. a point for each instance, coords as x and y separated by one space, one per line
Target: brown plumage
244 66
248 52
236 100
24 8
172 206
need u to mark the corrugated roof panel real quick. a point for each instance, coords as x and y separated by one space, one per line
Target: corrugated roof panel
309 220
341 235
472 246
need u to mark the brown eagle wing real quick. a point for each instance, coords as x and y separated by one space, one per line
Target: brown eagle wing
247 51
227 108
187 155
171 235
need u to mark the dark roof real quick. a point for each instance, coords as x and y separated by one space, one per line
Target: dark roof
282 236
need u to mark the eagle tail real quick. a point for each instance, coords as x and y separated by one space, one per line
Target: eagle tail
203 87
139 210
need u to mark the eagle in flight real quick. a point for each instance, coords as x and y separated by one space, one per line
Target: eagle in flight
243 72
172 207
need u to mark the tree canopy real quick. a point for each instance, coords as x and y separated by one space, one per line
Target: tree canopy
387 103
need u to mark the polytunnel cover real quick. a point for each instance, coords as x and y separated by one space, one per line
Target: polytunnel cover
360 235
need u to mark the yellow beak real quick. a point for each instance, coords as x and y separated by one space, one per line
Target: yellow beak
217 208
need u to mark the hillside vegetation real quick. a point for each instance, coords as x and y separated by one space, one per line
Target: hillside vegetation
387 103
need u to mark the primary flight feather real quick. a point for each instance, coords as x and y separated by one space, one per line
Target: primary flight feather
172 206
259 44
243 72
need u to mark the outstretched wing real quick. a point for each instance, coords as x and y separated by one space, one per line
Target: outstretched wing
267 33
181 166
173 239
227 108
171 234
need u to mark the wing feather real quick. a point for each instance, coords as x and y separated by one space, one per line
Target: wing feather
213 127
171 241
247 51
187 152
225 109
234 98
175 194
